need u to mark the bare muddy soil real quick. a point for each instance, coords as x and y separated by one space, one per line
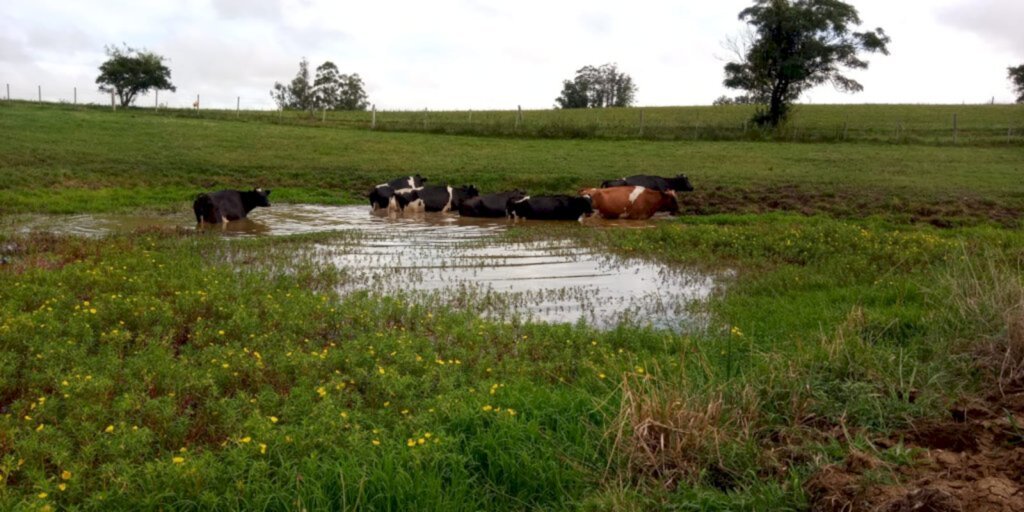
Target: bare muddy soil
947 212
972 460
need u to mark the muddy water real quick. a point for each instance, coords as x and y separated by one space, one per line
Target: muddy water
463 263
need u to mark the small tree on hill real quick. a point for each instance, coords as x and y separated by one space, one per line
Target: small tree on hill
796 45
597 87
1016 76
129 72
329 90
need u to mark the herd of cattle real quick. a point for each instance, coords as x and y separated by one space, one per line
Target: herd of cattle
633 197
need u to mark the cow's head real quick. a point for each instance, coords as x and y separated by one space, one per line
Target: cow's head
261 196
670 203
680 183
380 197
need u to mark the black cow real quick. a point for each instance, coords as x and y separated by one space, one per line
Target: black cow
228 205
680 183
434 199
382 196
559 207
490 205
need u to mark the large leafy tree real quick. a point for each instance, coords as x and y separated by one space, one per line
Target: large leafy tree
129 72
1016 76
353 93
796 45
597 87
330 89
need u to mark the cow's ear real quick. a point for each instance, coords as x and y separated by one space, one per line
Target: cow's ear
267 192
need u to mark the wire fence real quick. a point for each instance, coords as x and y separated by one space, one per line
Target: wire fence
986 124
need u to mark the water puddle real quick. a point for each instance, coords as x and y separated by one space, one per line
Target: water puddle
463 263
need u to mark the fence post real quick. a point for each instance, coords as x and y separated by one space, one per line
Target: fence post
113 106
954 129
8 92
40 93
238 106
197 103
519 116
75 101
641 122
373 117
156 100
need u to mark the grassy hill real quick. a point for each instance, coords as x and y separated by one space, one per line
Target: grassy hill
65 159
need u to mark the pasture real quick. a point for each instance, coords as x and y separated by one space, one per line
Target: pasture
868 309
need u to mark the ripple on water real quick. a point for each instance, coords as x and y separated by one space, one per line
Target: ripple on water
460 261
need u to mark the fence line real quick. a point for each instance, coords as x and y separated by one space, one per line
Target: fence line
921 125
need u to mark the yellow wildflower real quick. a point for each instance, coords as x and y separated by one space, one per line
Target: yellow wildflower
263 448
375 442
245 439
109 429
178 460
273 419
488 408
65 475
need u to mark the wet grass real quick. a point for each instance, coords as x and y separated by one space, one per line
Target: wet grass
165 369
64 160
174 370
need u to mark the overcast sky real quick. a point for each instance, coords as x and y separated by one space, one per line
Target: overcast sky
480 54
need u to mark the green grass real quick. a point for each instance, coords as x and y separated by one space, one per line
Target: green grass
900 124
71 160
177 370
121 354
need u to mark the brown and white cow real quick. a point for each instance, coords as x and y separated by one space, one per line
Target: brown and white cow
631 202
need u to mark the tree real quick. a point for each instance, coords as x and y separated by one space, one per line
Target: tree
129 72
299 93
353 94
329 90
799 44
327 85
1016 76
597 87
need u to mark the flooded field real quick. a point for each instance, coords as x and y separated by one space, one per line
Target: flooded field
462 262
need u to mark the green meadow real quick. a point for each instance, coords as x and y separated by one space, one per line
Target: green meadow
869 286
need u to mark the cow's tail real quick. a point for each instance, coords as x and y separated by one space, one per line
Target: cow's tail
204 209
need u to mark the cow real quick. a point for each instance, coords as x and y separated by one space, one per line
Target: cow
434 199
490 205
228 205
560 207
680 183
636 203
383 196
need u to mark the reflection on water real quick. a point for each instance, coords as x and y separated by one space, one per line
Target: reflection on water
460 262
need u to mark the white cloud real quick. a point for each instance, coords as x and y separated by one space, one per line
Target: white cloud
486 54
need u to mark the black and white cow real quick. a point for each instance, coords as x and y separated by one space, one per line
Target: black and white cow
383 196
680 183
560 207
490 205
434 199
228 205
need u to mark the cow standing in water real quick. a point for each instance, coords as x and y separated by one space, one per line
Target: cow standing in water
558 207
383 196
637 203
228 205
435 199
490 205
